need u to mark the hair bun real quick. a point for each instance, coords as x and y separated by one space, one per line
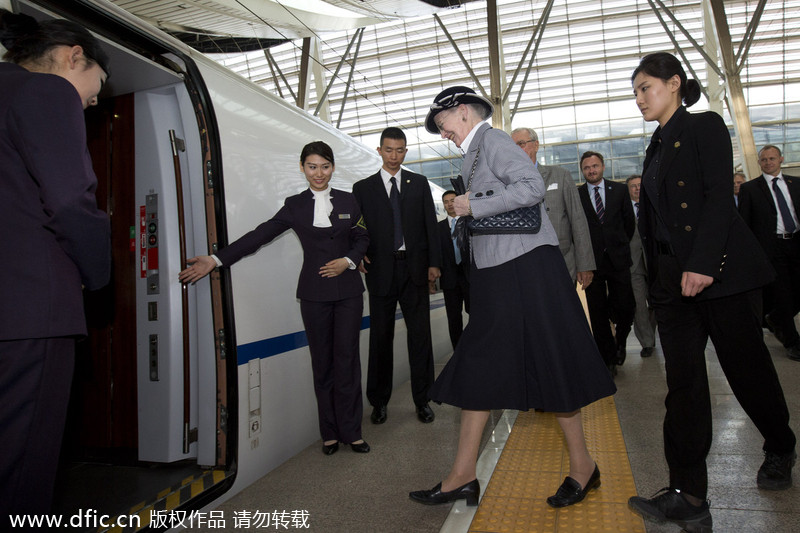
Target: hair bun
15 26
692 92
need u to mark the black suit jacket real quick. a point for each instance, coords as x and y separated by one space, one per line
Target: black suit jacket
450 270
759 212
54 239
418 216
614 235
690 196
346 238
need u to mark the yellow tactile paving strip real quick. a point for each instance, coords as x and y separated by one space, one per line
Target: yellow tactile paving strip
533 464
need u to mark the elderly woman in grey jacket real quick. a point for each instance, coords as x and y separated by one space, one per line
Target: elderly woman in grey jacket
528 344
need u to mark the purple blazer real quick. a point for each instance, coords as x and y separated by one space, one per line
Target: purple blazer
346 238
54 239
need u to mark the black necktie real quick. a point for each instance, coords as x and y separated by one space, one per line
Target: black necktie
394 198
636 205
786 213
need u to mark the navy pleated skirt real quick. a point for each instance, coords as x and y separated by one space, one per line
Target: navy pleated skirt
527 344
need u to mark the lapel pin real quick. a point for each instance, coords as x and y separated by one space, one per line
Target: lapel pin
408 181
677 144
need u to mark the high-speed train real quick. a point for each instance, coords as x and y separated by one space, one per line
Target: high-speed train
192 392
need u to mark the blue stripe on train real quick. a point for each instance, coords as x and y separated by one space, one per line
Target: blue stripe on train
292 341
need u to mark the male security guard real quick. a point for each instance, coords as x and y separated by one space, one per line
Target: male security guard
403 256
769 206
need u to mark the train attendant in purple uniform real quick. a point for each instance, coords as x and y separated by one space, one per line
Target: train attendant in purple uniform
334 239
55 241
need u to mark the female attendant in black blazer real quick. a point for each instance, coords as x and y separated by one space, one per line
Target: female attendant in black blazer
706 271
329 225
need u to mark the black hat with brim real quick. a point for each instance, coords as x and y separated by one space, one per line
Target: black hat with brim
454 97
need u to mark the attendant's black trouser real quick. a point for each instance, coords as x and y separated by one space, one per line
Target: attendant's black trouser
733 323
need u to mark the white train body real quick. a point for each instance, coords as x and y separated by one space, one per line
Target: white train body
241 160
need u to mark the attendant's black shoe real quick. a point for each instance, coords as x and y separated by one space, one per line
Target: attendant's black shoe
330 449
621 355
612 369
470 492
776 471
648 351
361 447
570 491
425 414
669 505
378 415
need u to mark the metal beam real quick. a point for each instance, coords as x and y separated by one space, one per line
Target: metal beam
678 46
350 77
324 111
744 47
496 66
735 94
324 98
712 62
302 89
715 84
537 35
461 56
274 67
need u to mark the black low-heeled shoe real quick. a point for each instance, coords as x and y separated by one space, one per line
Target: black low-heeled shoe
470 492
570 491
361 447
330 449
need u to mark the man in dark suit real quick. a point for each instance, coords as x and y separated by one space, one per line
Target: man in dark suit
455 271
611 224
403 256
768 204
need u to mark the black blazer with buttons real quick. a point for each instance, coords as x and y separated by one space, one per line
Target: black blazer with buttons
691 196
345 238
758 209
614 235
418 216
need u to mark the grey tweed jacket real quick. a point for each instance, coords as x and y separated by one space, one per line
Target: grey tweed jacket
566 214
504 179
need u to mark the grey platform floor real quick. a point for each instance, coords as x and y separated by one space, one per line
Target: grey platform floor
349 492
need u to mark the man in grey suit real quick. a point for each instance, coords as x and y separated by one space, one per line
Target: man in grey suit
564 210
644 319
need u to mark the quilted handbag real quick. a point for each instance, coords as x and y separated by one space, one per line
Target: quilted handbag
526 219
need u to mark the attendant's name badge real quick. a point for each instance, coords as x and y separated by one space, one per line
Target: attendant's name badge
344 216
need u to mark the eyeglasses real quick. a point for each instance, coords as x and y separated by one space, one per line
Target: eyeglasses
523 143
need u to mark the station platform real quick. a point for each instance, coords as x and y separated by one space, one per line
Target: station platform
523 460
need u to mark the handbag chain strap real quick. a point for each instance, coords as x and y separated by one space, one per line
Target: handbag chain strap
474 164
